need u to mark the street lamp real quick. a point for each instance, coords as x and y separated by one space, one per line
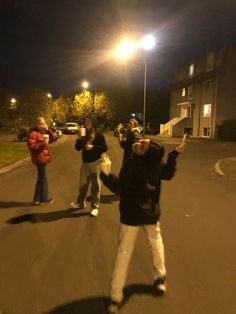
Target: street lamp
126 49
13 104
85 84
49 95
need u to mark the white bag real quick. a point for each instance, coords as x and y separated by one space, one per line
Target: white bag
105 164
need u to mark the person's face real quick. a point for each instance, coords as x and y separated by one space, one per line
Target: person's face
131 125
88 124
140 147
41 124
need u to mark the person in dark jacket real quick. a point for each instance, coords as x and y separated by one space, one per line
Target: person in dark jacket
139 185
38 142
132 135
93 144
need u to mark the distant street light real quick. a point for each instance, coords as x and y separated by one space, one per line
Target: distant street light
13 104
125 50
85 84
49 95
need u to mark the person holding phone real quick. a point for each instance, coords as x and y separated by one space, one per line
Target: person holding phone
132 135
93 145
38 143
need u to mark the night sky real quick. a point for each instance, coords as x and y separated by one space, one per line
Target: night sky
54 44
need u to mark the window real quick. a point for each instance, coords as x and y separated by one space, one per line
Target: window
183 92
191 69
206 132
190 91
207 110
210 61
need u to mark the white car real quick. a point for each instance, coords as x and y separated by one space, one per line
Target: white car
71 128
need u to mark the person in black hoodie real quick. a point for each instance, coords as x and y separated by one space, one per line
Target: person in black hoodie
139 185
93 144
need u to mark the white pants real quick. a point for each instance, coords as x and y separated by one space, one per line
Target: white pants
127 236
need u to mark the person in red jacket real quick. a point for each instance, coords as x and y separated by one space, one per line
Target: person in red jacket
38 142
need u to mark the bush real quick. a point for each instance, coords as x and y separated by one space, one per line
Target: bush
227 130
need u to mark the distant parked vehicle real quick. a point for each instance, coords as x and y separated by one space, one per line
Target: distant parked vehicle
71 128
22 135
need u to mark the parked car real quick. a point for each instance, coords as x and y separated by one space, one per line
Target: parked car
71 128
120 129
22 135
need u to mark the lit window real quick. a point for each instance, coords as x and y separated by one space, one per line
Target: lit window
191 69
207 110
183 92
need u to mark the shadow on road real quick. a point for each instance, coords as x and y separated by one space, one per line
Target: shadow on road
11 204
51 216
46 217
97 305
106 199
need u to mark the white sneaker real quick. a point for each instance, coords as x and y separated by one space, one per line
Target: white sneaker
77 205
94 212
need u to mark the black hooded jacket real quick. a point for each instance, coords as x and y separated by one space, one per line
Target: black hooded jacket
132 187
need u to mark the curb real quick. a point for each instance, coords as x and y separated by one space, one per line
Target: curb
25 160
217 167
14 165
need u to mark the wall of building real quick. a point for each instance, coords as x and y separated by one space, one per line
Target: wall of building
214 85
226 95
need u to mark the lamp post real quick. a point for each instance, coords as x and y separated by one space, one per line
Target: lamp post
125 50
147 43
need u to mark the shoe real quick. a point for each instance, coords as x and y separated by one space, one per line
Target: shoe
77 205
94 212
113 307
49 201
160 285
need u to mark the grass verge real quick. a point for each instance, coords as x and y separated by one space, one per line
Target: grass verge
12 152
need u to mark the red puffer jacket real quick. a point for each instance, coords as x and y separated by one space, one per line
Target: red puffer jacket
39 148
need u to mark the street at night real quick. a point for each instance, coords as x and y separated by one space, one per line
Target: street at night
56 260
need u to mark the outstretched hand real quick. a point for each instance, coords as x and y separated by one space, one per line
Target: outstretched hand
180 148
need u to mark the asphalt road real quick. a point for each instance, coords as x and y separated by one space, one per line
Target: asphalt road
54 260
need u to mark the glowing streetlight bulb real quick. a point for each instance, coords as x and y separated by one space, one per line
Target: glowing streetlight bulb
125 49
49 95
85 84
13 104
148 42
